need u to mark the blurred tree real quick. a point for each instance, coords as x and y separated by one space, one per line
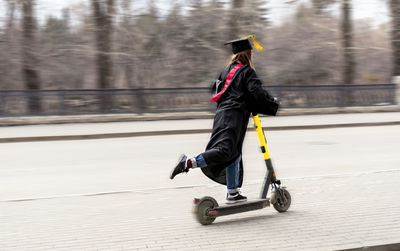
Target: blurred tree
7 39
302 50
56 29
373 55
30 62
175 36
66 17
320 5
202 45
126 41
151 56
235 15
255 21
347 36
7 51
11 6
395 13
348 49
61 60
349 63
248 17
103 11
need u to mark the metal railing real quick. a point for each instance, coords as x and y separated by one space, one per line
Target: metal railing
109 101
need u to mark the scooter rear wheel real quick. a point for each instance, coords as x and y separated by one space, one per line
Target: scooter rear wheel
282 204
201 209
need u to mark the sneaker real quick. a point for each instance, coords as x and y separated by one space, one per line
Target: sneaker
180 167
234 198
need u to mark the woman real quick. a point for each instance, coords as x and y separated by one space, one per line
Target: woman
238 93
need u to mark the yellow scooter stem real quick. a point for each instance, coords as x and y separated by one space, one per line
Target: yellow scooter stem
261 137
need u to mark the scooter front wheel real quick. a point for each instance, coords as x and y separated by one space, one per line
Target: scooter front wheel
283 200
201 209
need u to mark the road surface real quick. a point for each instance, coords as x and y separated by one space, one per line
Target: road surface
63 168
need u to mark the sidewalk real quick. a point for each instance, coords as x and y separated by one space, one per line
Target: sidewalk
327 213
165 127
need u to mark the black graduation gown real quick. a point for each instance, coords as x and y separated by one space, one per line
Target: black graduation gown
244 95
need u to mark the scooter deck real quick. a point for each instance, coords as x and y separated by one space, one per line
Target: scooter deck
239 207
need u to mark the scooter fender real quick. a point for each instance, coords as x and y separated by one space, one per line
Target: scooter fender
275 194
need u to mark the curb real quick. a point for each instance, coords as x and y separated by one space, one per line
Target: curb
177 132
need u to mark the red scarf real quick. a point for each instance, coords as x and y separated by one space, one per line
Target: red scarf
227 82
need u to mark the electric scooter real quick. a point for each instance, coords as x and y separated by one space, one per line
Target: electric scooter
206 209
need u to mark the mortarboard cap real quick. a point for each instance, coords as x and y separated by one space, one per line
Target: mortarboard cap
244 44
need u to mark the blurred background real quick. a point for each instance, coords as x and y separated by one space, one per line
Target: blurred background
124 56
141 69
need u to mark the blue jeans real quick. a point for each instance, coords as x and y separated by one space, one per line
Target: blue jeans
232 171
232 174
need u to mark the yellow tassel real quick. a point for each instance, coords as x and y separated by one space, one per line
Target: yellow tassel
255 43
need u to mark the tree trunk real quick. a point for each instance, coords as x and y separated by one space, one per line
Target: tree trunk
102 14
11 15
235 17
395 11
348 51
30 73
320 5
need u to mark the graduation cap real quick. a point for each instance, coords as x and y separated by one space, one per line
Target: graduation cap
244 44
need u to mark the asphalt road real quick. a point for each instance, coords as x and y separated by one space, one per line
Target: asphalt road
32 170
